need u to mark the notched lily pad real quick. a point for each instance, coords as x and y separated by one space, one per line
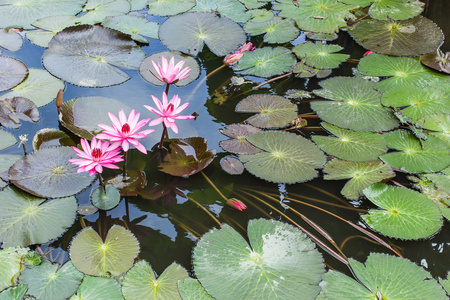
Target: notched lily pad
169 8
276 30
12 72
98 10
320 56
16 109
136 26
105 198
239 144
50 137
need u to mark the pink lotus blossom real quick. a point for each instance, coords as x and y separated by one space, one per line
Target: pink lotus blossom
124 132
169 72
168 111
96 156
236 56
236 204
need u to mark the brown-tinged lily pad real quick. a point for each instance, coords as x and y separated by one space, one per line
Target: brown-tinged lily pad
16 109
48 137
239 144
134 183
437 60
232 165
12 72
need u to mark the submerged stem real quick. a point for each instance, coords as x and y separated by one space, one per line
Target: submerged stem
125 166
213 186
205 210
163 135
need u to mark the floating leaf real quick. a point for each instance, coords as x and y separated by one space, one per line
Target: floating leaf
231 165
321 36
16 109
390 9
412 37
136 26
287 157
232 9
266 62
98 10
221 35
261 270
439 123
27 220
318 55
132 186
276 30
416 156
40 87
86 210
98 288
404 213
50 137
10 40
47 282
48 173
6 139
114 256
356 105
239 144
12 72
138 4
437 60
10 266
351 145
303 71
16 292
95 53
191 289
383 276
261 15
273 111
140 282
105 199
361 175
169 8
146 69
51 26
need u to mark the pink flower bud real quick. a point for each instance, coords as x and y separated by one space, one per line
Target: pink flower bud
236 204
367 53
232 58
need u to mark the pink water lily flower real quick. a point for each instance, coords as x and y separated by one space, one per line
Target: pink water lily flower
168 111
96 156
125 131
168 72
236 56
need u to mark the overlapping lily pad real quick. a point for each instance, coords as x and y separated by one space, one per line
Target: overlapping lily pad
51 26
16 292
12 72
239 144
95 54
105 198
50 137
190 288
320 55
287 157
16 109
169 8
276 30
273 111
439 124
411 37
356 105
261 270
390 9
10 265
266 62
98 10
98 288
10 39
6 139
221 35
136 26
437 60
260 15
47 173
27 220
403 213
232 9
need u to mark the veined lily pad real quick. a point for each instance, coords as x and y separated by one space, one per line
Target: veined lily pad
414 156
191 289
10 40
10 265
320 55
356 105
6 139
98 10
411 37
20 14
40 87
261 15
27 220
276 30
98 288
404 213
136 26
321 36
273 111
231 165
47 282
16 292
12 72
96 54
47 173
16 109
437 60
232 9
114 256
361 175
50 137
287 157
251 4
51 26
390 9
261 270
266 62
169 8
221 35
239 144
105 200
351 145
383 276
439 124
140 282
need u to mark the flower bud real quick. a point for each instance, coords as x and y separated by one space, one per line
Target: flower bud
236 204
246 47
367 53
232 58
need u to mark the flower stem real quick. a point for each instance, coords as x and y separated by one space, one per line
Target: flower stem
167 89
163 136
124 166
101 181
213 186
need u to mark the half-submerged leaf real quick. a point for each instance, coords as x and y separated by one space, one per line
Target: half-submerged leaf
12 72
16 109
95 54
239 144
287 157
191 289
10 265
321 56
403 213
261 270
276 30
98 288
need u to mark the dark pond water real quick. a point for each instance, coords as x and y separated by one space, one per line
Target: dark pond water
168 227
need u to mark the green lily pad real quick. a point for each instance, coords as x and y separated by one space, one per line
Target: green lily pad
276 30
16 109
316 15
403 213
273 111
47 282
96 52
221 35
98 288
136 26
140 282
287 157
51 137
361 175
10 266
390 9
86 210
351 145
191 289
98 10
169 7
416 102
321 36
90 255
105 200
20 14
437 60
16 292
266 62
232 165
383 276
10 40
303 71
416 156
232 9
51 26
40 87
146 69
356 105
318 55
261 270
239 144
439 124
6 161
6 139
261 15
138 4
27 220
12 72
445 283
411 37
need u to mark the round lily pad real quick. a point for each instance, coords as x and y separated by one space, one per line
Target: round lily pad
105 199
98 10
86 210
98 288
232 9
239 144
169 8
10 39
13 72
190 288
231 165
276 30
136 26
261 270
320 56
51 26
439 124
260 15
390 9
6 139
